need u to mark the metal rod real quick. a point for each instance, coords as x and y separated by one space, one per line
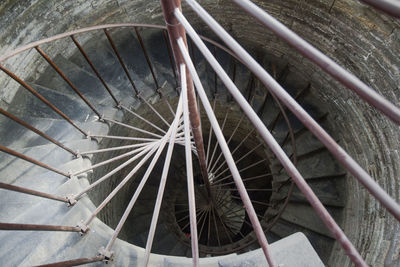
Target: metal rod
143 119
155 111
244 179
31 160
189 171
132 127
113 148
163 181
327 64
362 176
94 68
278 151
114 48
117 169
123 137
37 227
228 156
210 135
216 227
135 196
171 60
41 98
176 30
33 129
120 185
68 81
229 140
216 143
236 148
147 58
32 192
390 7
240 159
113 159
74 262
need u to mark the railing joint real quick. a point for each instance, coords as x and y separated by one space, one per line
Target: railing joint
83 227
107 254
71 200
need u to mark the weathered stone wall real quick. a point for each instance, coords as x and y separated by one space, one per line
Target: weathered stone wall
362 40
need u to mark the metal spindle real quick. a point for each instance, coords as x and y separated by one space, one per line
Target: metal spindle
307 50
147 58
119 186
94 68
362 176
33 129
270 140
114 48
37 227
41 98
31 160
163 182
189 171
74 262
68 81
32 192
225 149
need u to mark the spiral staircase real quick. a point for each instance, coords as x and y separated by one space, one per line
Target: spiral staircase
78 138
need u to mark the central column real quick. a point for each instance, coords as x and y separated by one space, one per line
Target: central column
175 31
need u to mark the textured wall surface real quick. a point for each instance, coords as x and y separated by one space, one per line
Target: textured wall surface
362 40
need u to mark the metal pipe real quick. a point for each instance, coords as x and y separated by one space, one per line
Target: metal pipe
123 137
147 57
154 110
37 227
94 69
132 127
163 181
41 98
114 48
189 171
113 148
32 192
229 140
135 196
176 30
327 64
228 156
216 144
271 142
112 159
31 160
171 61
120 185
33 129
117 169
65 78
143 119
390 7
74 262
362 176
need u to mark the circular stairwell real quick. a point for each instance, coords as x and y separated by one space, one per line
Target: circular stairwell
281 207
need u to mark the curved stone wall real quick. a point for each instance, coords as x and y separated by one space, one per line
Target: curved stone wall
362 40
